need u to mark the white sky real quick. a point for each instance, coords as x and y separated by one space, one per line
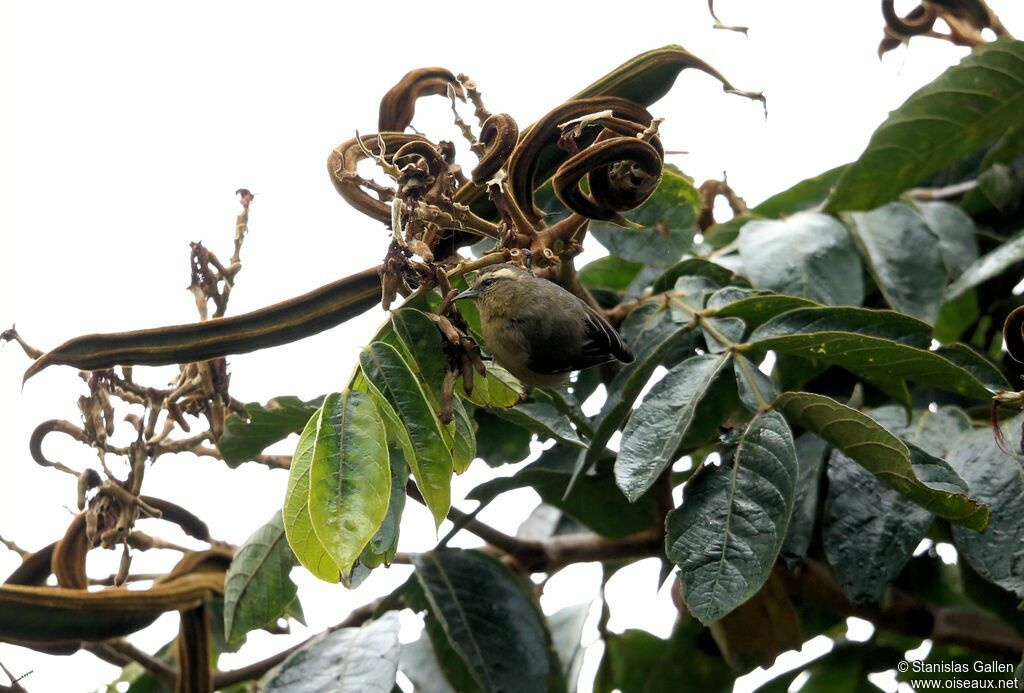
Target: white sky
127 126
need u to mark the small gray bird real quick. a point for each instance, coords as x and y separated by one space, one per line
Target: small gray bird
539 331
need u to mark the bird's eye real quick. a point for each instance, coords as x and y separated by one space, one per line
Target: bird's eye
488 282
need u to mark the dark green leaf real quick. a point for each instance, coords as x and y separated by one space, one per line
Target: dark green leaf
810 454
298 525
419 342
499 443
869 530
384 544
348 660
668 220
997 479
904 257
464 432
756 390
755 310
989 266
243 440
955 231
544 420
656 428
924 479
595 500
806 194
486 618
875 345
609 272
349 478
431 462
697 267
257 588
653 335
726 535
721 333
807 254
967 107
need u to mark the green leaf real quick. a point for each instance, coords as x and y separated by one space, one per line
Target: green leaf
419 342
594 502
869 530
697 267
350 477
807 254
966 108
958 245
242 440
756 390
729 530
989 266
903 257
486 618
977 365
612 273
810 455
298 525
498 388
756 310
257 588
499 443
431 462
656 428
348 660
464 447
384 544
875 345
668 220
928 481
544 420
653 335
995 477
805 195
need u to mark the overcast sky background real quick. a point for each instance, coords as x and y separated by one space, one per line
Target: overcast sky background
127 127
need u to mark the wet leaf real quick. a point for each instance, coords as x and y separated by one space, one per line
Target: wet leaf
349 478
989 266
726 535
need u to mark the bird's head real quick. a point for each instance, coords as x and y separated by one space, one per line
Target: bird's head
499 285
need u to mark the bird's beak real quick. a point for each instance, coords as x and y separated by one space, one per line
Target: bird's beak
468 293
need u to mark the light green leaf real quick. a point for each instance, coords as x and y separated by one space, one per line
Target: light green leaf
431 460
966 108
656 428
927 480
989 266
350 477
257 588
807 254
464 444
726 535
298 525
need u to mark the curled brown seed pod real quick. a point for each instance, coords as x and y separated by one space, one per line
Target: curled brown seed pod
1013 334
918 21
499 135
342 165
35 443
398 106
619 192
68 561
538 144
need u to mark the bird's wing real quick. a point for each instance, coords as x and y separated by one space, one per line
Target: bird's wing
601 344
